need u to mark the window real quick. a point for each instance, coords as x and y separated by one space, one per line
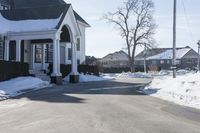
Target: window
139 62
178 62
1 48
78 44
3 7
168 61
48 53
69 53
162 62
38 53
153 62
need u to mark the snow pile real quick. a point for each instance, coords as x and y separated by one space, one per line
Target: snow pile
87 78
161 73
134 75
19 85
109 75
184 90
167 72
182 72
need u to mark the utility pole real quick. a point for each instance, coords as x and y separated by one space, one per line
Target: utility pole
174 40
198 64
145 55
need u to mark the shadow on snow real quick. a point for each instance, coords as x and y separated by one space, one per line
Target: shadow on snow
61 94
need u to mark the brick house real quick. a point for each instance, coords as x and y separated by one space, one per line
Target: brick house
187 58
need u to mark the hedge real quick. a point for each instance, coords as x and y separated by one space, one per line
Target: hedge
9 70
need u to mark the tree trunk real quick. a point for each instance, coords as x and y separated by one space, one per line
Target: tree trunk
133 66
130 65
133 59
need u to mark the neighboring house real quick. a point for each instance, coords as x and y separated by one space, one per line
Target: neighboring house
39 32
115 60
187 58
91 60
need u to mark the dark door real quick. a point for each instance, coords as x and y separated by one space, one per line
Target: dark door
12 51
22 51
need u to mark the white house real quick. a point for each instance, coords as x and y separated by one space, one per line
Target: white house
39 32
117 59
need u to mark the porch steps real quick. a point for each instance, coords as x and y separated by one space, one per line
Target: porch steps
40 74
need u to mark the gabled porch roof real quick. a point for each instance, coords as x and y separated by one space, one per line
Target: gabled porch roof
40 18
32 19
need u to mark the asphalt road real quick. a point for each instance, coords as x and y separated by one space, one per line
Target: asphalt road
99 107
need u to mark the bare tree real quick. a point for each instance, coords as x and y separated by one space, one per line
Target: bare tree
135 22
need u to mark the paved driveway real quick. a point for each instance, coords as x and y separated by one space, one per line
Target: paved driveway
99 107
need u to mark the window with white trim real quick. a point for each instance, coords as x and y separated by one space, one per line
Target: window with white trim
178 62
38 53
4 7
48 53
162 62
153 62
168 61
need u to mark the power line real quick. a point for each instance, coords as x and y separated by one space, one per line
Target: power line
187 20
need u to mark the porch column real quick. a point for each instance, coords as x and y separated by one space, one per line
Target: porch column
58 59
55 57
6 54
56 77
18 50
74 60
43 57
74 76
33 56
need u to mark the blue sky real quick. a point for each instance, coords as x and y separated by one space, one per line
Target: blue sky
102 38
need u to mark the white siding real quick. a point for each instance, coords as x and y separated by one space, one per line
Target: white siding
81 53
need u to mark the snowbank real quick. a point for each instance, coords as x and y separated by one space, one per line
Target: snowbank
169 72
184 90
19 85
109 75
134 75
87 78
182 72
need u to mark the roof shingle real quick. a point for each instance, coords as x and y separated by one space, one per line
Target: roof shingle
50 12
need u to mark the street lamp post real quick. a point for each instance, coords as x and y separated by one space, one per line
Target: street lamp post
198 63
174 41
145 55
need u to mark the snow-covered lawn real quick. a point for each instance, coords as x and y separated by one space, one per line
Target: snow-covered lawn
19 85
184 90
126 75
134 75
108 76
